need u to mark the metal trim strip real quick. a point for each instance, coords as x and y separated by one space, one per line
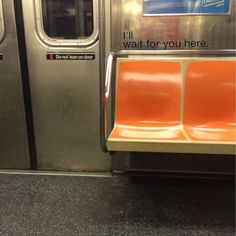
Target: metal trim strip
170 146
2 24
190 53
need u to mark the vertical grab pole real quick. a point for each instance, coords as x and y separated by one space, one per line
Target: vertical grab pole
102 74
105 77
108 77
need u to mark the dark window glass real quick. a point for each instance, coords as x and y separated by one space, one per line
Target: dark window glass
68 19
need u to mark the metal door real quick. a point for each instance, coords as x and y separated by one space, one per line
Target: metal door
14 151
64 76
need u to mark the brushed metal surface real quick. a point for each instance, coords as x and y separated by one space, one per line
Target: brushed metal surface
218 31
65 99
14 152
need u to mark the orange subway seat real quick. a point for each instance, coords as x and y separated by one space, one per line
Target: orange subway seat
209 112
148 101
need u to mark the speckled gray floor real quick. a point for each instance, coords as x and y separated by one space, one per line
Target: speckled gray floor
58 205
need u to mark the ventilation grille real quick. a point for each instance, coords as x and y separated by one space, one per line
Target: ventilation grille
203 163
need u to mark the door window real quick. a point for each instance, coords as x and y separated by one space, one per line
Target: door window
67 22
68 19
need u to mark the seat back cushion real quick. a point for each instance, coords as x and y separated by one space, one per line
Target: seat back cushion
210 93
148 93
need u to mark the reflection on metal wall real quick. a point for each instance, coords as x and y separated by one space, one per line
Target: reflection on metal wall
131 30
2 28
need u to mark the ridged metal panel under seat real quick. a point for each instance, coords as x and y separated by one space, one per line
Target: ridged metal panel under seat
196 163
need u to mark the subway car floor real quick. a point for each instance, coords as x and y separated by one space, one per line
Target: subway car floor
38 204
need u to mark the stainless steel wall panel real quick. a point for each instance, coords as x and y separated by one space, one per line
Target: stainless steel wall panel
14 151
127 15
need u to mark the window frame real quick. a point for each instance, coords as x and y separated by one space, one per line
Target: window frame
2 32
85 42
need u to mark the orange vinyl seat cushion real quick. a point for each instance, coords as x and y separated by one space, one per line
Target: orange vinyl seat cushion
209 104
148 101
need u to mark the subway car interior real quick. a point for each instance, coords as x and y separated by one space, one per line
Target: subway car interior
117 117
